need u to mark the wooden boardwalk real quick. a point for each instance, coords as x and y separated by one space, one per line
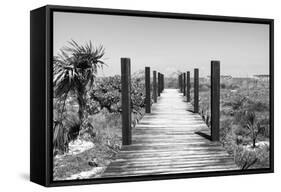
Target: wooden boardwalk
171 139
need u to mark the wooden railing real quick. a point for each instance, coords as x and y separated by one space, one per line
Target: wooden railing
184 87
158 87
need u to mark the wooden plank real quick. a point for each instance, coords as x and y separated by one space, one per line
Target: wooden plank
171 139
171 126
169 170
126 101
147 90
170 164
215 100
150 156
160 147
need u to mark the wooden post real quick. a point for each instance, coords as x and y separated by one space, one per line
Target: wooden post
126 101
159 83
147 90
154 87
188 86
163 82
215 100
184 84
180 83
196 90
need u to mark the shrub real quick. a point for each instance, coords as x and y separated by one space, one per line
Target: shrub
257 106
239 130
64 132
204 87
236 103
244 158
223 86
253 126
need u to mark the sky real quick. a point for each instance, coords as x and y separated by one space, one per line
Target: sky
168 45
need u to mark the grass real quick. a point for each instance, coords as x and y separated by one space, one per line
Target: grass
106 136
68 165
102 126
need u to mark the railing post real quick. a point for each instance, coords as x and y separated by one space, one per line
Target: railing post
163 82
215 100
184 84
188 86
126 101
159 83
196 90
180 83
154 87
147 90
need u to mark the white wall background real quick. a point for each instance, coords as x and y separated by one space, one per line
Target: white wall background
14 95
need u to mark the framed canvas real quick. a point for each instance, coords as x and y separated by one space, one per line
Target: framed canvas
122 95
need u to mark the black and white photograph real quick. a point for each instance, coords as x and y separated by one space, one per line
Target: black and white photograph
143 96
140 96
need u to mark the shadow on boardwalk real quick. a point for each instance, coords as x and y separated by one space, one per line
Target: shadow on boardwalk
170 140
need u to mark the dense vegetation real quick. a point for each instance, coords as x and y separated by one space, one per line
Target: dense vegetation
244 119
88 108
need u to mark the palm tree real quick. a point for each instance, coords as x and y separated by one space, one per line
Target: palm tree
75 69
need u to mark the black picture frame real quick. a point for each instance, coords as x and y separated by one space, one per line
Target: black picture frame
41 53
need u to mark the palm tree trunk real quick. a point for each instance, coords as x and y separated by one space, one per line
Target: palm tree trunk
254 138
254 143
82 106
